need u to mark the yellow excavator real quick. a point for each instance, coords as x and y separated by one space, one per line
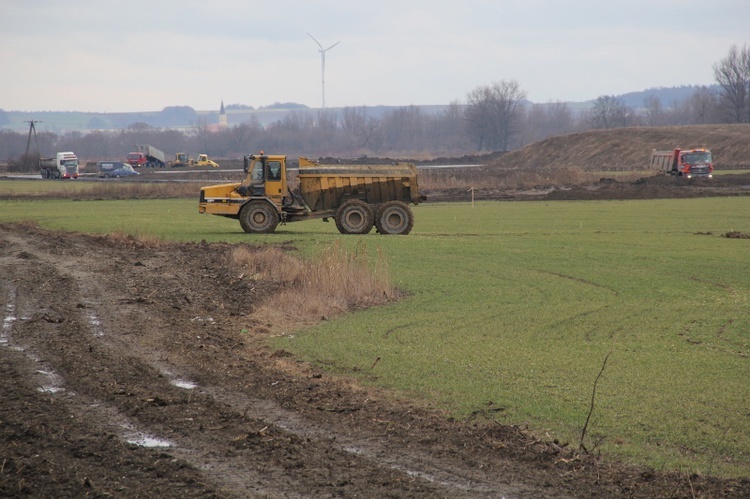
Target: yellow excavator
183 159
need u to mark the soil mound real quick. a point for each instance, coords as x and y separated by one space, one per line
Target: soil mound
626 149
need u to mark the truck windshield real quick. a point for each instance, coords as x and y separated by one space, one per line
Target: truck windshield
70 162
694 158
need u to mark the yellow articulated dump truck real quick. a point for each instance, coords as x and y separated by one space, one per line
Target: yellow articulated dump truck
355 196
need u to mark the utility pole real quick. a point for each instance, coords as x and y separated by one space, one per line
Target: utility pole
32 128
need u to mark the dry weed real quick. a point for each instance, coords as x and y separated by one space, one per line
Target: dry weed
334 282
122 238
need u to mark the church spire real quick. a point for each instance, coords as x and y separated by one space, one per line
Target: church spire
222 116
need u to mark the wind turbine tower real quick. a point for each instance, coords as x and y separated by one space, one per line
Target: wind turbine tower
323 65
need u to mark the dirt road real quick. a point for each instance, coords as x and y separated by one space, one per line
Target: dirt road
136 369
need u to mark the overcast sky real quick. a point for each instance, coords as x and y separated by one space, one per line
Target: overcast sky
137 55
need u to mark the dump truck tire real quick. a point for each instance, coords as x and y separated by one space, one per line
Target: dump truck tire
354 217
394 217
258 217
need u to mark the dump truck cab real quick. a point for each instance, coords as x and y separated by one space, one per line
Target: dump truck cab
257 201
266 177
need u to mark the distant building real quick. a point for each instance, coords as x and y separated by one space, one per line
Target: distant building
222 116
222 124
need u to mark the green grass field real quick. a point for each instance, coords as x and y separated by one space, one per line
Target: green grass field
513 307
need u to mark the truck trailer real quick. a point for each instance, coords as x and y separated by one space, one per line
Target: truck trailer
357 197
684 162
63 165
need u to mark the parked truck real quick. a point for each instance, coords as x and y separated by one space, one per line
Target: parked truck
183 159
147 156
63 165
355 196
684 162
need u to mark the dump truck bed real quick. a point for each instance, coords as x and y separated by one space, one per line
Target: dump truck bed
323 187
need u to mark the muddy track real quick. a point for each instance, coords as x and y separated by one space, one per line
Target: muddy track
134 369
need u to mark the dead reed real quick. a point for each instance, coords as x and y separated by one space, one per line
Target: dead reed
336 280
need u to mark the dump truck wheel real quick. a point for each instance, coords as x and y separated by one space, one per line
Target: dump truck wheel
394 217
354 217
258 217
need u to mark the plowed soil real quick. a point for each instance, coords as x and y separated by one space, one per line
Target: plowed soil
136 369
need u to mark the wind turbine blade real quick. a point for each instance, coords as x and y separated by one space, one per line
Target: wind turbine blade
316 41
329 48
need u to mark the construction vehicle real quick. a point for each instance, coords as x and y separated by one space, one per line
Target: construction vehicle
147 156
183 159
355 196
63 165
684 163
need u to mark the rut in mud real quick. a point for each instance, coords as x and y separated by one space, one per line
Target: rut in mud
136 369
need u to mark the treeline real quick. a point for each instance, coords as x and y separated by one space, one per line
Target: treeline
494 120
494 117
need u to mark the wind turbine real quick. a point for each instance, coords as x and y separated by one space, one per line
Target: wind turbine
323 65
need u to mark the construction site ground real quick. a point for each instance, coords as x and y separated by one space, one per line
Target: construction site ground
135 368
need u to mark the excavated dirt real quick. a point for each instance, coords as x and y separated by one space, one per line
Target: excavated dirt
656 186
136 369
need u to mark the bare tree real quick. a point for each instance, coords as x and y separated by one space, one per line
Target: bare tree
201 130
240 136
611 112
358 127
655 112
445 131
404 128
547 120
326 121
733 76
494 113
703 106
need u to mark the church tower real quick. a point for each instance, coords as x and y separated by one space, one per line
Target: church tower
222 116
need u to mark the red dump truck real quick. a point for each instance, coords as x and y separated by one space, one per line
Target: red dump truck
684 162
355 196
147 156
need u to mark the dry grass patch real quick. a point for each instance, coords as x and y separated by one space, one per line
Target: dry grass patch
335 281
124 239
113 189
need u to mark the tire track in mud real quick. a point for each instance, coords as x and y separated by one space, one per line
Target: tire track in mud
230 477
101 329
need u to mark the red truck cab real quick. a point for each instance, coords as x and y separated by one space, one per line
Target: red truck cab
137 159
